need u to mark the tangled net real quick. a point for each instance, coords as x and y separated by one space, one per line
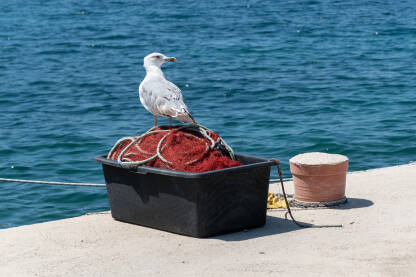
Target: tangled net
190 148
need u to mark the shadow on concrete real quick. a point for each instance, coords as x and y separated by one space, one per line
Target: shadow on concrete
354 203
274 226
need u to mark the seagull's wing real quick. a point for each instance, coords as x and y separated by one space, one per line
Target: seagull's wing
172 103
164 98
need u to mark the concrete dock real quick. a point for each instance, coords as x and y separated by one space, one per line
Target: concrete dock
378 239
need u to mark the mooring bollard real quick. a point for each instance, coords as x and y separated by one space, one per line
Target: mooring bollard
319 177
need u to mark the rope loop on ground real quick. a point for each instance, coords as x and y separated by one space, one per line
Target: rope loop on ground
324 204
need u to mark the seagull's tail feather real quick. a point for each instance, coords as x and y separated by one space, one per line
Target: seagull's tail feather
193 120
186 118
178 111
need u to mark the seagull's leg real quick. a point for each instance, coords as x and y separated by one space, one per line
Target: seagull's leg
155 120
170 120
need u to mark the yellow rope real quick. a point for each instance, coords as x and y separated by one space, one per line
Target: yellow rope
274 202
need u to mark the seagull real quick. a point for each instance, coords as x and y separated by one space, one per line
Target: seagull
159 96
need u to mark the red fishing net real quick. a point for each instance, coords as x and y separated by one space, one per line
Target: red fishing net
189 148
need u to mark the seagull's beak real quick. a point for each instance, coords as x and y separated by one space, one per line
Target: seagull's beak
171 59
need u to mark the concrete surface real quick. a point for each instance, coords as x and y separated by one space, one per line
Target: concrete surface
378 239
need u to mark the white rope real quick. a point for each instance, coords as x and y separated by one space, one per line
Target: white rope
284 180
50 183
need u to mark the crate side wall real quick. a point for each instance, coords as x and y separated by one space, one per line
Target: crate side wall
233 202
153 200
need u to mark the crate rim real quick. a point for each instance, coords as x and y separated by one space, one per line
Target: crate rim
176 173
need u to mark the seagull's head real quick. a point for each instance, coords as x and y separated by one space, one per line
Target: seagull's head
157 59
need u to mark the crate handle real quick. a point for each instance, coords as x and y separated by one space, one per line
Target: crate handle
139 171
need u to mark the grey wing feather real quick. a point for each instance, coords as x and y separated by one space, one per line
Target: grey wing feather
165 99
175 93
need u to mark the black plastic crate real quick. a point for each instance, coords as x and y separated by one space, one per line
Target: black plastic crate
194 204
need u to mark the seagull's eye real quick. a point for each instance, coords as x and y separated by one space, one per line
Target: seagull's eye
158 57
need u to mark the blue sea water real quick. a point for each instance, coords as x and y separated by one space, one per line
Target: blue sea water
274 78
